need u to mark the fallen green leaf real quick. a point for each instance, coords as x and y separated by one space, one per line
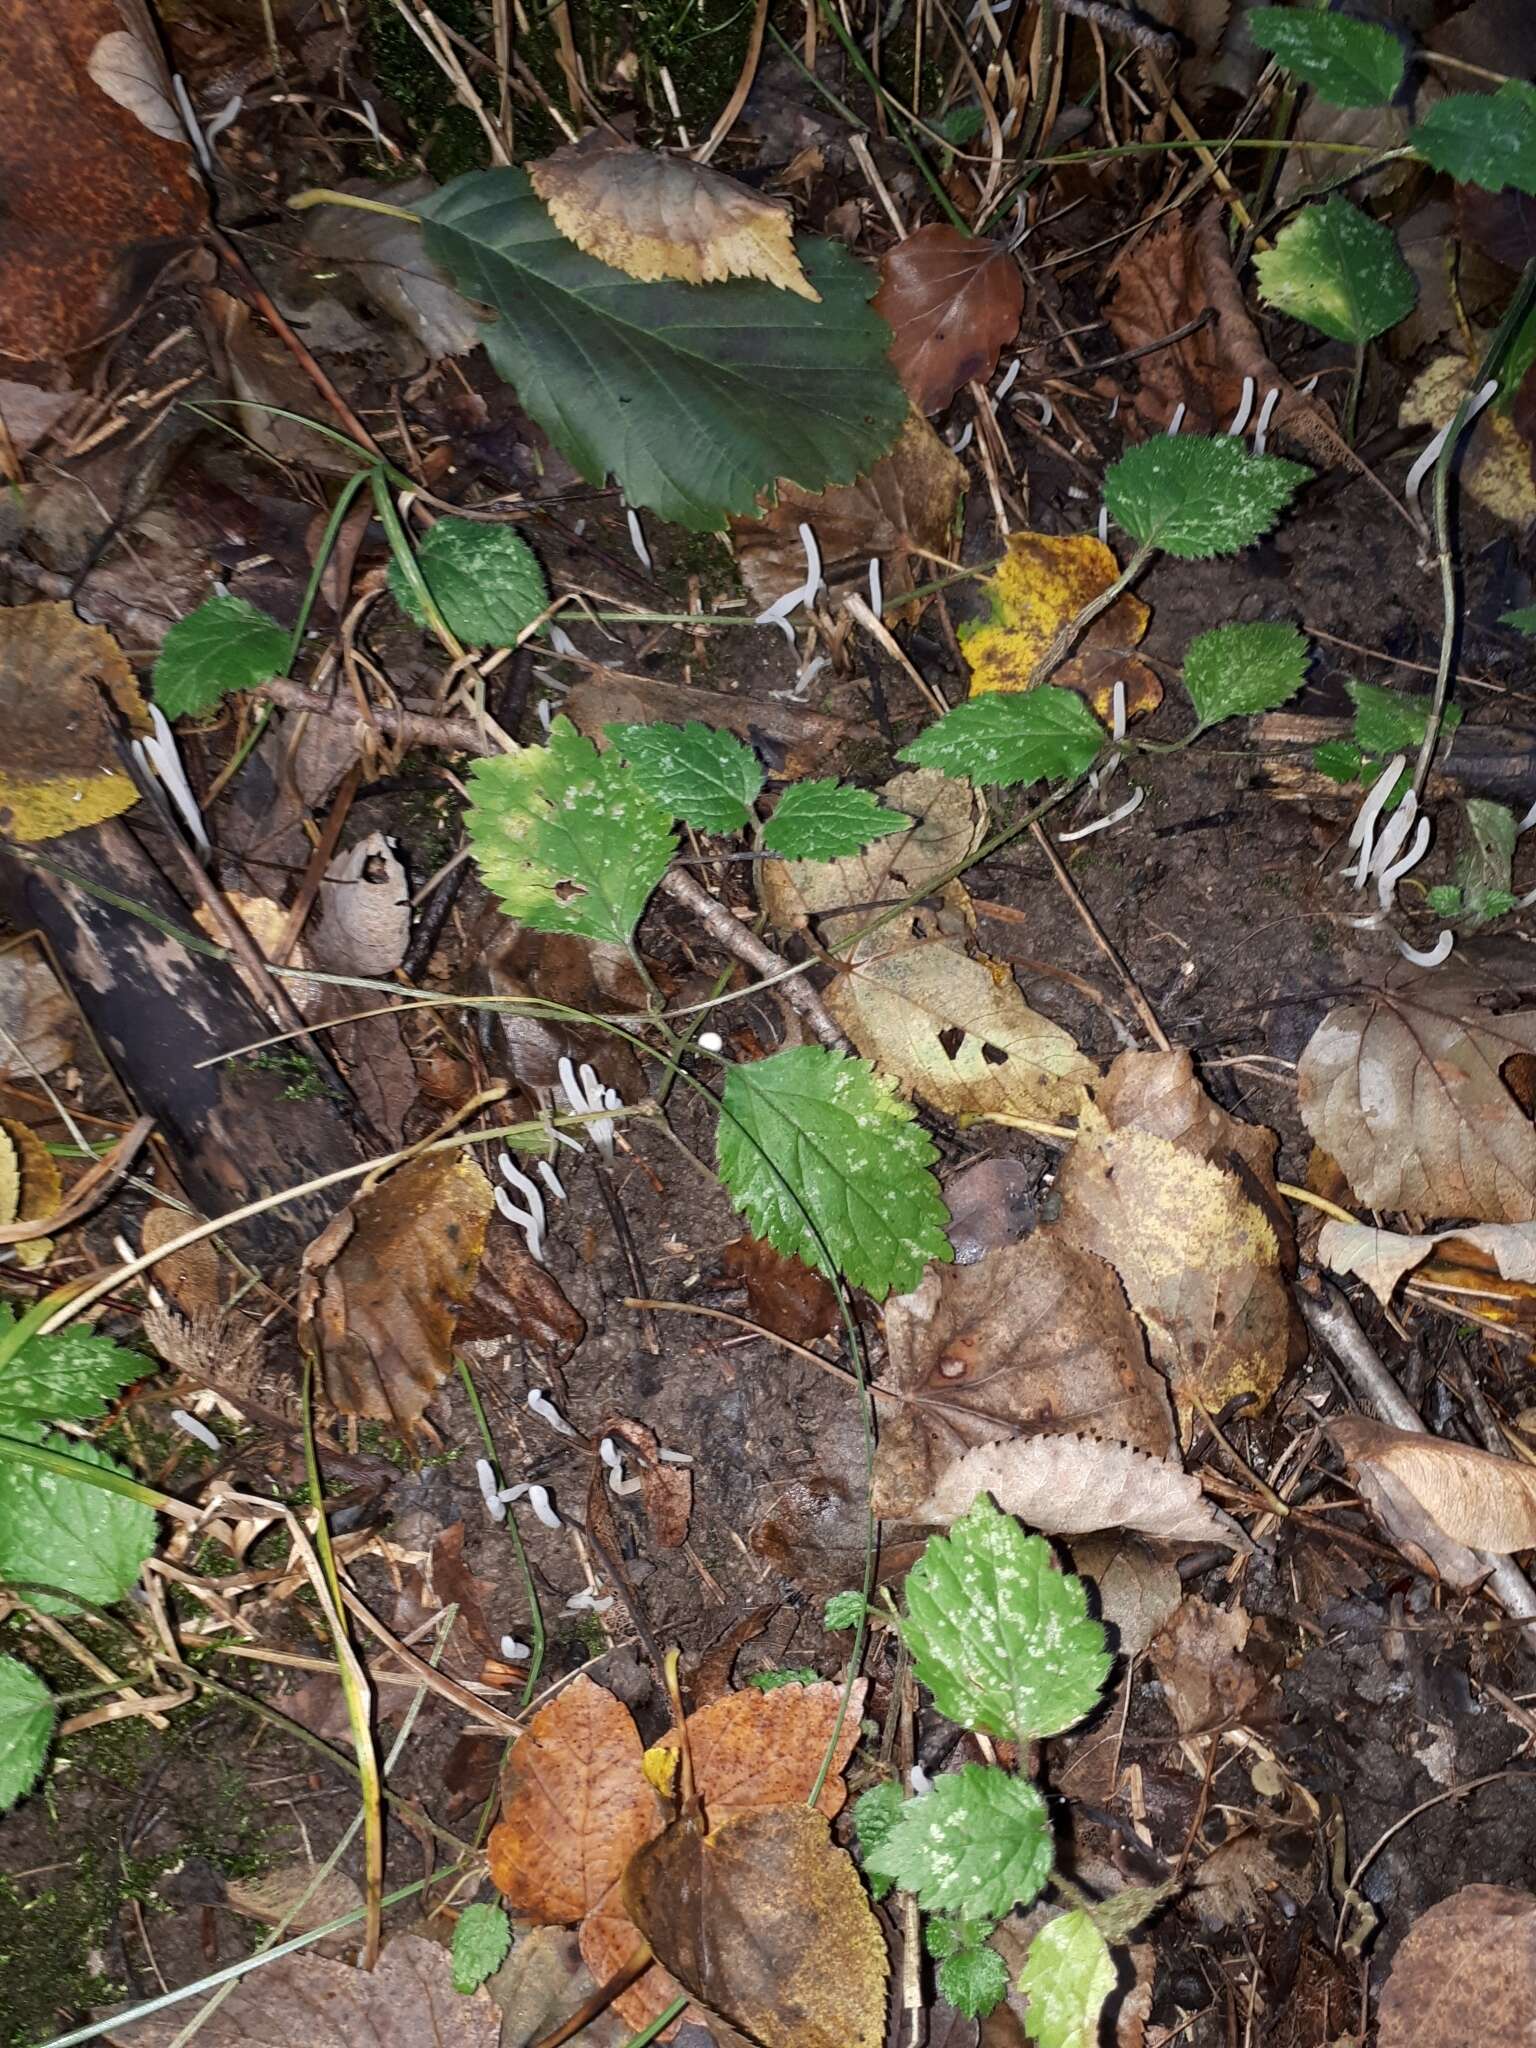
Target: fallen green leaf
225 645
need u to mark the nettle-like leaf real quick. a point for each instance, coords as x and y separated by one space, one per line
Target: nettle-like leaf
567 837
481 1939
977 1839
706 778
843 1610
999 1634
973 1980
225 645
484 579
827 821
1236 671
26 1725
1483 138
1195 497
67 1533
1523 620
1006 738
695 398
1067 1975
68 1377
825 1160
1346 62
1338 270
875 1813
1394 721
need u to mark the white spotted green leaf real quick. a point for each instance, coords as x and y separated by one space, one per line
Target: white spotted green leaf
706 778
1008 737
68 1377
1483 138
827 1163
484 579
1236 671
567 838
481 1939
978 1839
26 1724
1346 62
66 1533
1067 1975
225 645
875 1813
999 1634
828 820
973 1980
1338 270
1195 497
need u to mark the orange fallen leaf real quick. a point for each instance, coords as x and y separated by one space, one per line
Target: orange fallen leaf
1043 580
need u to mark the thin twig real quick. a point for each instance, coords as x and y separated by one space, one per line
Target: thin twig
733 937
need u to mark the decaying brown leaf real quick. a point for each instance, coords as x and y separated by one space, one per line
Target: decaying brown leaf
543 1983
1406 1093
753 1749
1495 464
666 1490
1138 1590
365 911
1198 1656
1381 1257
32 1188
62 767
768 1924
384 1283
1077 1485
517 1296
904 507
953 302
1466 1972
1469 1497
296 1897
39 1023
783 1294
1035 1337
655 216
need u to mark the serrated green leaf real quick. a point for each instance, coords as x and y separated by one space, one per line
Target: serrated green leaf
706 778
826 1161
999 1634
225 645
481 1940
875 1813
960 125
1235 671
943 1937
974 1981
827 821
1008 737
979 1839
68 1533
1523 620
1349 63
694 397
567 837
1485 860
1067 1975
1338 270
843 1610
68 1377
1195 497
484 579
1483 138
26 1726
1339 760
1392 721
770 1681
1445 899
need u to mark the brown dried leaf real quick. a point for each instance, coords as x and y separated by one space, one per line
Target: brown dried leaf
275 1896
384 1283
1466 1971
753 1749
1469 1496
1077 1485
38 1192
1406 1092
906 502
365 912
1381 1257
542 1984
39 1023
517 1297
655 216
190 1277
1138 1591
1036 1337
1232 1884
666 1490
783 1294
62 767
953 303
1198 1656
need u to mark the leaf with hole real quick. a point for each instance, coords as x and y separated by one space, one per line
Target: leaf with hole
826 1162
702 775
695 398
1196 497
68 1377
225 645
481 1939
67 1533
1349 63
485 580
1482 138
1067 1975
1037 735
979 1839
1338 270
828 820
26 1726
1235 671
568 839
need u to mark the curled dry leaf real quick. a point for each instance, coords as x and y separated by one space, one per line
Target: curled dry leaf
1407 1093
385 1281
1043 580
1138 1590
1077 1485
365 911
1466 1971
393 269
31 1188
1198 1656
516 1296
62 766
39 1023
1381 1257
666 1490
954 303
1469 1496
655 216
1035 1337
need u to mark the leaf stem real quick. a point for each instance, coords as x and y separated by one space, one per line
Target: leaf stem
1074 629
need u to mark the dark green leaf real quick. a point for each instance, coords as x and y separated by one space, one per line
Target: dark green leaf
875 1813
1339 760
481 1940
843 1610
974 1981
68 1377
1523 620
68 1533
1007 737
707 778
484 579
1483 138
770 1681
225 645
1338 270
26 1726
978 1840
1392 721
1485 862
827 820
1194 497
1349 63
1235 671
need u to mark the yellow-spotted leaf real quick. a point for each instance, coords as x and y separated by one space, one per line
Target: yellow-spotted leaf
1044 580
59 682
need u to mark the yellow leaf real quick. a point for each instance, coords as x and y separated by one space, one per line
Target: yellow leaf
39 1188
1044 580
660 1768
10 1180
63 768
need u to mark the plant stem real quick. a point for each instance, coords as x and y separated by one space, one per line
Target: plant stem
535 1611
1040 103
1074 629
898 114
1352 399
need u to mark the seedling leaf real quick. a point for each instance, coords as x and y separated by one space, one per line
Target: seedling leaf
1338 270
1067 1976
977 1839
225 645
828 820
875 1813
480 1941
1481 138
568 838
825 1161
1194 497
68 1377
973 1980
485 580
1346 62
1003 739
843 1610
67 1533
1391 721
1000 1635
1485 864
26 1724
1235 671
706 778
